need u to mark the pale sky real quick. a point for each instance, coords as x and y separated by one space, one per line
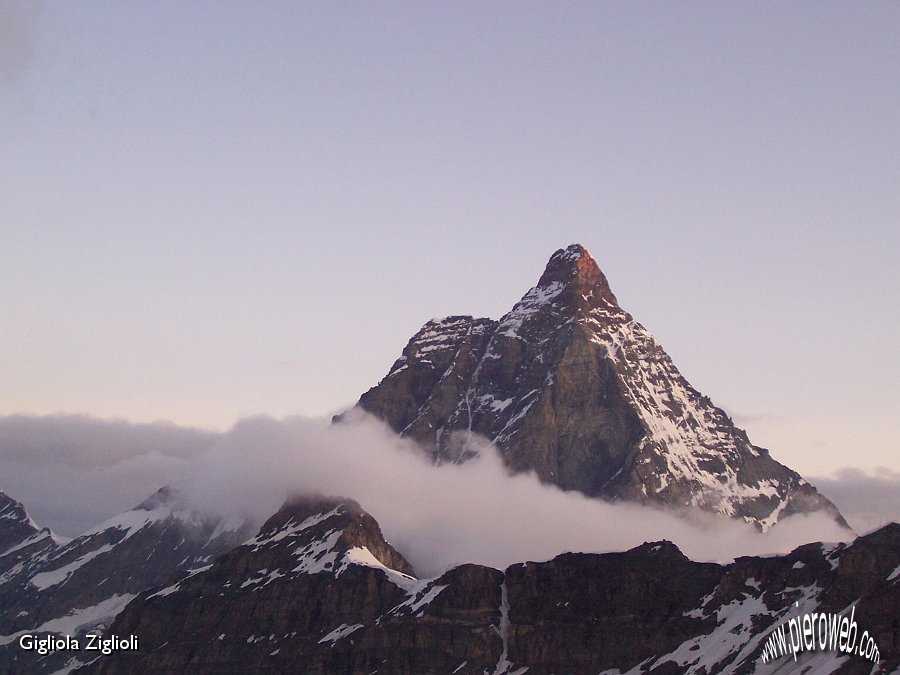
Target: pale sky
213 210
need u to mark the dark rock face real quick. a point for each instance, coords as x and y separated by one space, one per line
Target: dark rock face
79 587
569 385
581 612
431 379
320 591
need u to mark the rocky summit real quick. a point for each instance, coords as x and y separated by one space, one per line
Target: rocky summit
568 385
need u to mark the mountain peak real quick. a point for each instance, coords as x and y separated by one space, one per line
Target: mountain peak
574 267
568 385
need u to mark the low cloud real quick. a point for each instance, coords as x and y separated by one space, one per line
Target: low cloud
747 419
437 516
867 500
80 441
73 471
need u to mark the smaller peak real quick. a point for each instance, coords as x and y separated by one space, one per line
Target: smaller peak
574 266
165 496
663 547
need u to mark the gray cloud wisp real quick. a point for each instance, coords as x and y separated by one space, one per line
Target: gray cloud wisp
18 35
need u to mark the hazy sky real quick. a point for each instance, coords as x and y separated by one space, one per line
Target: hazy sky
211 210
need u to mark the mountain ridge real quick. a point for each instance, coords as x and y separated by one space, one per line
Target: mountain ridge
78 586
293 596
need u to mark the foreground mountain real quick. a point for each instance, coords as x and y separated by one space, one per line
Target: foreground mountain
570 386
48 587
318 590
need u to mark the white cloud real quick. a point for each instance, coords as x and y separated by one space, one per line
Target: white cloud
435 516
438 516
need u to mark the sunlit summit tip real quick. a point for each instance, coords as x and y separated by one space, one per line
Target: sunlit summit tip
574 267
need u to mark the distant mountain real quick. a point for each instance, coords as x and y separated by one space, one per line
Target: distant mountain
318 590
21 538
570 386
76 587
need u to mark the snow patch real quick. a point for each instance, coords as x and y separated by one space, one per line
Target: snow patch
421 593
341 631
319 555
360 555
292 527
263 580
45 580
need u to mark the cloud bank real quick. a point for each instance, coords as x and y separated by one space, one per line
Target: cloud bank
72 472
867 501
439 516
